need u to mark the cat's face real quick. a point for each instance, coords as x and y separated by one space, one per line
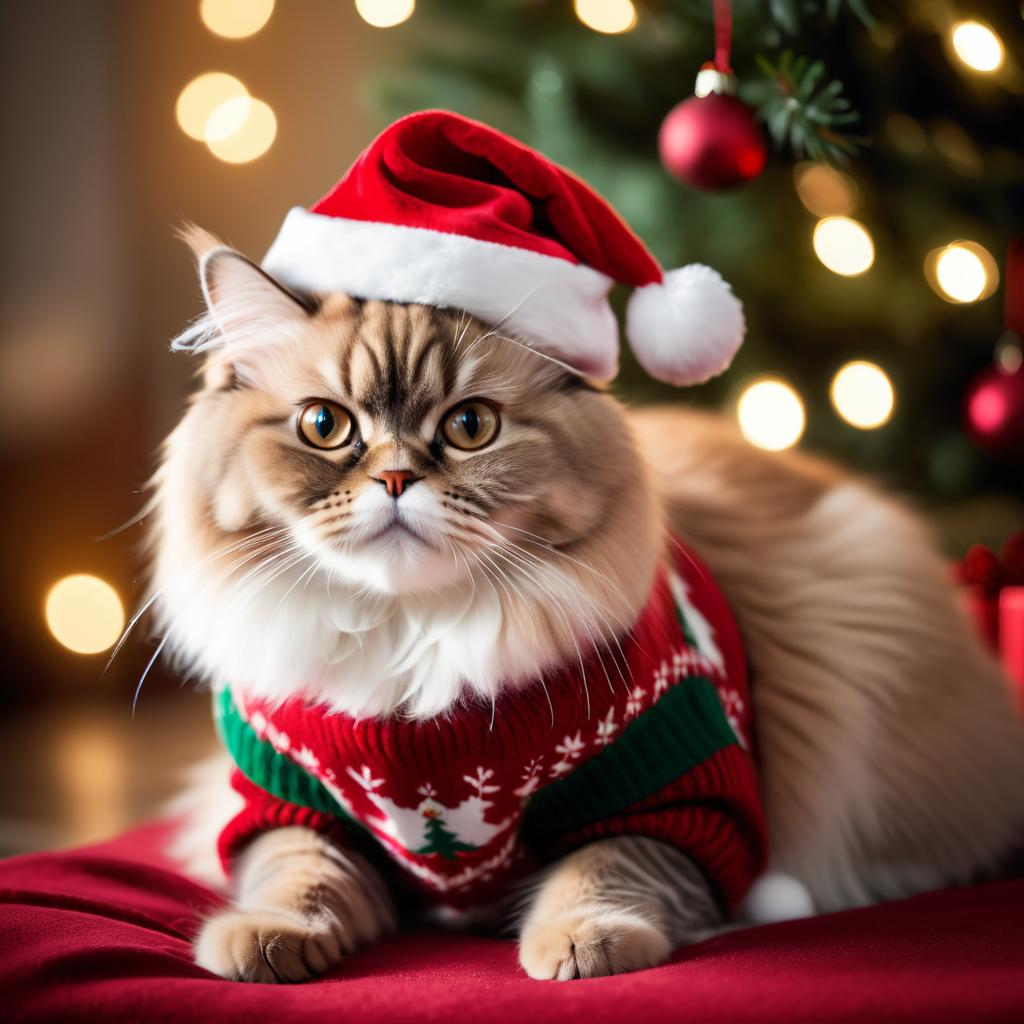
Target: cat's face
397 444
346 453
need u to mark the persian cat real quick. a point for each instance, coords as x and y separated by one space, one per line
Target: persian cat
394 512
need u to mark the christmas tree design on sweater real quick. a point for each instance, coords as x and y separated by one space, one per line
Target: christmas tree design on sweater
466 803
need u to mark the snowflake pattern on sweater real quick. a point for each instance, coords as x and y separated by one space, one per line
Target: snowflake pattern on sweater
652 737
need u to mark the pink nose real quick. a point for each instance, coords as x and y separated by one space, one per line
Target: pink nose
396 480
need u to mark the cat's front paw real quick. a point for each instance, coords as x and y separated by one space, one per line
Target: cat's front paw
591 944
269 946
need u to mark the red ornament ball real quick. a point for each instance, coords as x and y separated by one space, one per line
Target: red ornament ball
712 142
994 412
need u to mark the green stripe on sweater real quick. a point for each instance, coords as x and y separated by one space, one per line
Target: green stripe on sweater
260 763
685 727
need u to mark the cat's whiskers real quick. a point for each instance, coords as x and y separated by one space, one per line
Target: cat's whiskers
133 622
556 598
612 632
307 575
596 641
567 592
145 672
262 576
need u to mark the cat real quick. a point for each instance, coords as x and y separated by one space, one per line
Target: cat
890 760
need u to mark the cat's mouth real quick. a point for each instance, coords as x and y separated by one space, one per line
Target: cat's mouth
398 531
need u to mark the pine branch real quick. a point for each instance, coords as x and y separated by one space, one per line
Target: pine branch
858 7
789 14
801 112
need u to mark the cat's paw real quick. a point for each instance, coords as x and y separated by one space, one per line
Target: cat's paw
589 944
269 946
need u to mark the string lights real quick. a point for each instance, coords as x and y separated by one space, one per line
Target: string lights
863 395
235 19
240 129
84 613
844 245
977 46
825 191
610 17
771 414
962 272
201 97
385 13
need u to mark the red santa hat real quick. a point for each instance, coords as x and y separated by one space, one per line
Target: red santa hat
446 211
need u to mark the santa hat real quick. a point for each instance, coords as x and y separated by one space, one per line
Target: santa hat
448 212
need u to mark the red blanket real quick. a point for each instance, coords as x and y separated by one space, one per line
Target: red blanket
102 934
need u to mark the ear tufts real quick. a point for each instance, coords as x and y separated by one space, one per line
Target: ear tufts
199 240
245 306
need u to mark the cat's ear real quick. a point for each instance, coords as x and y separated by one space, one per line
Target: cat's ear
246 308
244 301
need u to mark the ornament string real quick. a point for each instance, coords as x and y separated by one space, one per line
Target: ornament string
723 35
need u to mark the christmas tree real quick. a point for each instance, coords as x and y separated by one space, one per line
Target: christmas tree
440 840
894 133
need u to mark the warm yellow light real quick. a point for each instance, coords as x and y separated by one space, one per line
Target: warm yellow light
824 190
844 245
227 119
385 13
771 414
608 16
962 271
201 97
977 46
863 395
84 613
240 130
235 19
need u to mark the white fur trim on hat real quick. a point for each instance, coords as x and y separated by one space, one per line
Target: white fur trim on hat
686 329
555 306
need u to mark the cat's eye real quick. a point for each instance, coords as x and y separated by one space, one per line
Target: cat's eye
470 425
325 425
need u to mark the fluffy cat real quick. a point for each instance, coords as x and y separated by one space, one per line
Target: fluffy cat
890 759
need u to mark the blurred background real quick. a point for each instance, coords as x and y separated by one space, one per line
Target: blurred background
870 249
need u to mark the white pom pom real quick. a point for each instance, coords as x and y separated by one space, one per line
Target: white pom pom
776 897
686 329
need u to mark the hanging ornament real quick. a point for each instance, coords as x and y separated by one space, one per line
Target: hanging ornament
712 140
994 401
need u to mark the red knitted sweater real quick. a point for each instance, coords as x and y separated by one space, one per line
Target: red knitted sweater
653 739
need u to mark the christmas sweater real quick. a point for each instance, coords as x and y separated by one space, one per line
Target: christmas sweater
651 737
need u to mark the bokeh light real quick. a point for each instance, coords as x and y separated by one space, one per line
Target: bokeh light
241 129
977 46
385 13
863 395
84 613
962 272
608 16
201 97
824 190
844 245
906 134
771 414
235 19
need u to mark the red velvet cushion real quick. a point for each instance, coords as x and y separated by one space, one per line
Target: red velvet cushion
102 934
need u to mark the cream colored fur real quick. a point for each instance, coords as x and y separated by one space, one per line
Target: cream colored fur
891 760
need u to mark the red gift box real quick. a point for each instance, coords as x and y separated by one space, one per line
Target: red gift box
1011 634
994 594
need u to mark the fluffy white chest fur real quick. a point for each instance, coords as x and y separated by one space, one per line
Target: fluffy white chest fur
365 653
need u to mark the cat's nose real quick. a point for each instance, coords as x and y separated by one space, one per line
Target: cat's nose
396 480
